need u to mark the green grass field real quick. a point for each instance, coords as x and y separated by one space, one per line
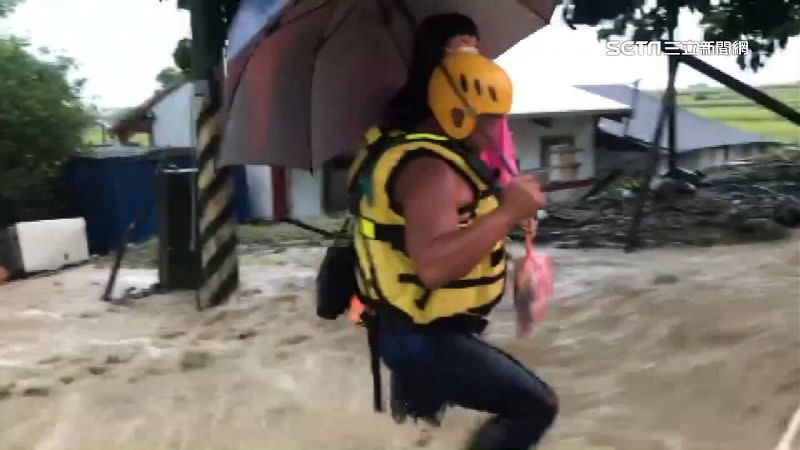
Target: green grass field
726 106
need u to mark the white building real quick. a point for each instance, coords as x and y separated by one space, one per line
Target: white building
553 128
700 142
167 117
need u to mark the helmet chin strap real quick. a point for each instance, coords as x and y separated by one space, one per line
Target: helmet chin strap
468 109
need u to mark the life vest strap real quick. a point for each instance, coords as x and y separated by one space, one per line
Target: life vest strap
464 283
470 207
395 235
467 283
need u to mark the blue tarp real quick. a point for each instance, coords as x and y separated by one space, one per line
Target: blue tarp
109 189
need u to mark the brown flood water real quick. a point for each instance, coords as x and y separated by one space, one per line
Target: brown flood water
708 358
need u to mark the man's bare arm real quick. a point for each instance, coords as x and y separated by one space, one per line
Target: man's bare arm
427 189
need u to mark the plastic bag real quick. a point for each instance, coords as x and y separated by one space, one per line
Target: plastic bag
533 287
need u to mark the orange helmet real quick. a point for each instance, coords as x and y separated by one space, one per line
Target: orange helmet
464 86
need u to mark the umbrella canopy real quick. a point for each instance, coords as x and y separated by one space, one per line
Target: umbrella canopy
306 78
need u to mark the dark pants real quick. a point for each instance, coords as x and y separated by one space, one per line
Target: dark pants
433 368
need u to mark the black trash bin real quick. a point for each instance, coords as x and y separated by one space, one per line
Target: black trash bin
178 261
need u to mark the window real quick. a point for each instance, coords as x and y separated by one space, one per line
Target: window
560 156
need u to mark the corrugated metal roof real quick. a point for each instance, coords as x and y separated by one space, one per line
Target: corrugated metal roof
692 131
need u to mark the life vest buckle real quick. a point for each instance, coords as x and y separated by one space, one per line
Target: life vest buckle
366 227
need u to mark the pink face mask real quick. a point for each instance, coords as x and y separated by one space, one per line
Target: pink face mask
501 157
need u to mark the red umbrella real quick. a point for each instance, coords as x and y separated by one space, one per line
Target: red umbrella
302 88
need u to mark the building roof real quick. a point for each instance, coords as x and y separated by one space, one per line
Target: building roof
692 131
133 120
546 99
534 100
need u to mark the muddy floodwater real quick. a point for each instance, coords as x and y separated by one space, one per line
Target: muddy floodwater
668 349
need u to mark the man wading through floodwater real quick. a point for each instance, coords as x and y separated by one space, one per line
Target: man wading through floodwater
431 261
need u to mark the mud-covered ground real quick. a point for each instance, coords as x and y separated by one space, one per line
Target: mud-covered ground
665 349
746 201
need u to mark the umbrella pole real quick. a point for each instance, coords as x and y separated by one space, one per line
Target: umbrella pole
214 228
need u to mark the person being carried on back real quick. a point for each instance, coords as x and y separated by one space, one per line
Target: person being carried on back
431 225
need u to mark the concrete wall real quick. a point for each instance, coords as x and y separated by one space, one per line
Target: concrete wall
528 136
259 185
304 190
305 193
174 125
633 162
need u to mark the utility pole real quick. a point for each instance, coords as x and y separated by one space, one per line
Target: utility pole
672 23
667 104
214 230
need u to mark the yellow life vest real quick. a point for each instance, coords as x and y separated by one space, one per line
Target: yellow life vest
385 274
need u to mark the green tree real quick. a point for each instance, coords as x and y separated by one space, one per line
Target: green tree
169 76
183 56
42 123
766 24
7 6
183 51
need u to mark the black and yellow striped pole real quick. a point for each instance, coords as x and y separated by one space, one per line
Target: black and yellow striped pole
215 225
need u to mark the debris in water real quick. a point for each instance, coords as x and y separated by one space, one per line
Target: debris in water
294 340
171 334
246 334
50 360
195 359
122 356
250 292
285 298
6 389
97 370
35 388
665 278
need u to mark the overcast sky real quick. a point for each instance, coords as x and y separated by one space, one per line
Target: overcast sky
121 45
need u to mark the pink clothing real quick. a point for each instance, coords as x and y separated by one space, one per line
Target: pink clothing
503 157
533 287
